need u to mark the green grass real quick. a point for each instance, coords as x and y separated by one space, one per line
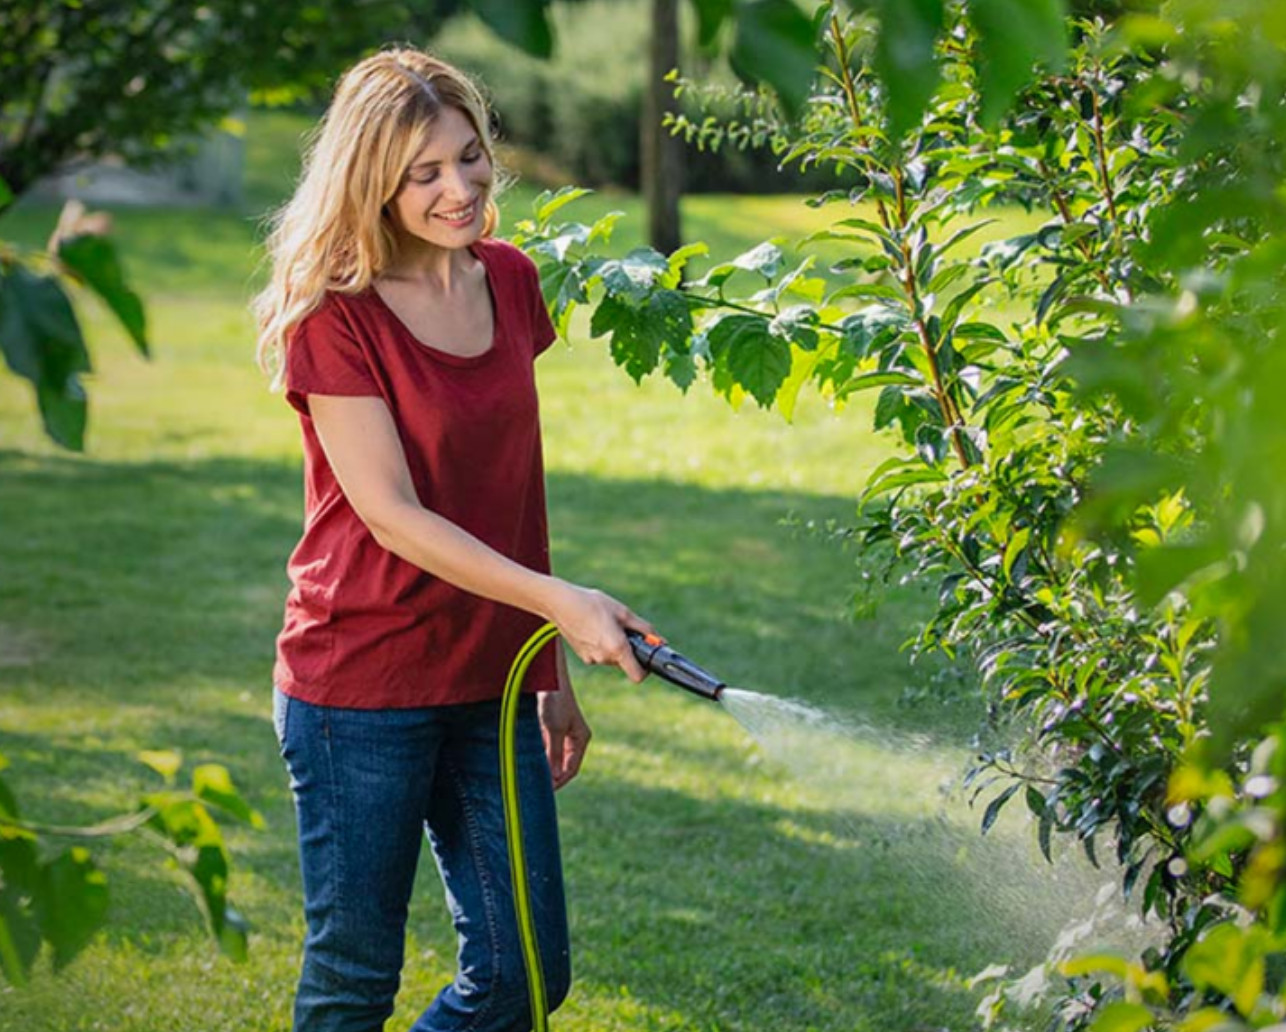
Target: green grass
141 591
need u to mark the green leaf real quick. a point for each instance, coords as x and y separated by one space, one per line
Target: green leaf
996 805
1160 570
92 259
640 334
65 412
6 195
803 364
1210 1019
908 474
1122 1016
961 235
680 369
678 261
635 275
757 359
234 935
39 334
182 820
211 783
165 762
1013 36
1014 548
209 874
948 275
1035 801
1231 960
1095 964
797 325
764 259
711 14
883 378
957 304
905 60
19 939
1044 833
776 44
870 329
72 903
42 342
520 22
717 276
877 290
548 203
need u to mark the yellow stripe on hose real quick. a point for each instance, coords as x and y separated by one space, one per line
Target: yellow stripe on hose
513 823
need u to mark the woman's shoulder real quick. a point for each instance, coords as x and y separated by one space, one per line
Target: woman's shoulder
334 318
334 310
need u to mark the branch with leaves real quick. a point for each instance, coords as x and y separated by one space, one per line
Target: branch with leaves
62 901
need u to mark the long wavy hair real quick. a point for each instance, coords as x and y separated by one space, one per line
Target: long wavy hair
335 232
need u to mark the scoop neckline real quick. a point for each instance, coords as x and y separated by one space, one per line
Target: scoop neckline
437 353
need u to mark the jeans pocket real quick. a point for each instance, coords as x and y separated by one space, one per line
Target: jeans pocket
280 715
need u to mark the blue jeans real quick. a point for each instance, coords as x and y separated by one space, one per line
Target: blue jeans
366 783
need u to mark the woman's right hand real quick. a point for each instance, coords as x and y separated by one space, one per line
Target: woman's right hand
593 625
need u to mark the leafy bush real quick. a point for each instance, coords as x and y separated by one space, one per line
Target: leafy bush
1092 437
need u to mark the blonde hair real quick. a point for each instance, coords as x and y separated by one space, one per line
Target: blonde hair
335 233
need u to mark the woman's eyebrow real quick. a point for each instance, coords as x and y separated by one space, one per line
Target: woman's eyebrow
419 165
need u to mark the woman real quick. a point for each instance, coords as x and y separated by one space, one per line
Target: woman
405 339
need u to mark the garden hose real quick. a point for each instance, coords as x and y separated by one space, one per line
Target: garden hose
655 656
513 824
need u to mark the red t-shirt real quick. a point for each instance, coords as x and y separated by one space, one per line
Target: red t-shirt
364 628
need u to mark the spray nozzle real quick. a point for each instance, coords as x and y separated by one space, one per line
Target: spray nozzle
656 656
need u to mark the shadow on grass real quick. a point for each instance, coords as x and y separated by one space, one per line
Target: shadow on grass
153 591
135 579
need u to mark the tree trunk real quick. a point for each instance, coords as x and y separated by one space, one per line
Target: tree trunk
662 154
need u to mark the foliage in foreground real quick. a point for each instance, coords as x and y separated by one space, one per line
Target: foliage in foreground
1095 484
63 900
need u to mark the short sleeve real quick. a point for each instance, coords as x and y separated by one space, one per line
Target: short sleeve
325 357
542 330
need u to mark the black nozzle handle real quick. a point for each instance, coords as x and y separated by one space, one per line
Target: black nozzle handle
657 657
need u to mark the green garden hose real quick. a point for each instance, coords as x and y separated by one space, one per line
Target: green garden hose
656 657
513 824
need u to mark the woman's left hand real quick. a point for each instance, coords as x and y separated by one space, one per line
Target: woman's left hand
566 733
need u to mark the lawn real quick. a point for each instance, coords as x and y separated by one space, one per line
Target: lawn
715 884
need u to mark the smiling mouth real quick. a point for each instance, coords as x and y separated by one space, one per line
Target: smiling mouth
458 216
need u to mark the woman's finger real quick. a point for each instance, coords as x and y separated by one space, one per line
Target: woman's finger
635 622
628 662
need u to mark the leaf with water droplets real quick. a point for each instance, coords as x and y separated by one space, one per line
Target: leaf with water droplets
996 805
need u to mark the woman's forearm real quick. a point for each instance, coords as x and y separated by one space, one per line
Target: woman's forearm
439 547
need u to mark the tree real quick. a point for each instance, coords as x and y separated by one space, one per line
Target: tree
662 152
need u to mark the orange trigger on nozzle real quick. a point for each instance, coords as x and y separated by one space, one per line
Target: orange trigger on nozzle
653 639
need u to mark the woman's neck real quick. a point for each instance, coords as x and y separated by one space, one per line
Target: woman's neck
440 268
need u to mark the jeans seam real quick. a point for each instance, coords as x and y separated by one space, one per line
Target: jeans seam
337 800
488 896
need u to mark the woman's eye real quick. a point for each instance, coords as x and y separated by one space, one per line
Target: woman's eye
469 159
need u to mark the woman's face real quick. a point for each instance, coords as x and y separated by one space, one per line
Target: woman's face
442 200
